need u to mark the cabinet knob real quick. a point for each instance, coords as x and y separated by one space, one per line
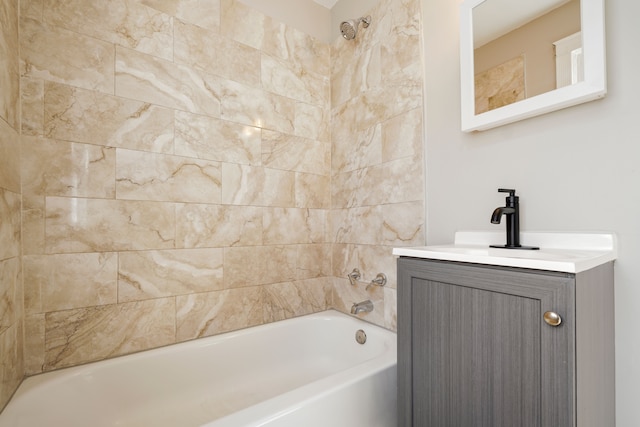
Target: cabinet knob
552 318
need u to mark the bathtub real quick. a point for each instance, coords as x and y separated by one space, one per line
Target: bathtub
307 371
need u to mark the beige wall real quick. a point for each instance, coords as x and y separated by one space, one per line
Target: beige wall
11 311
575 169
534 41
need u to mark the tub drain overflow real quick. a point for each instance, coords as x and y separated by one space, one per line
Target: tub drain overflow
361 337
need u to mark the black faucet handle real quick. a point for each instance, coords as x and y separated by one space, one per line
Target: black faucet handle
507 190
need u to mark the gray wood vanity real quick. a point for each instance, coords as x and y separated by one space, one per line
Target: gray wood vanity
502 346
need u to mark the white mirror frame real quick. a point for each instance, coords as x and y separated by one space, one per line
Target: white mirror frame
593 87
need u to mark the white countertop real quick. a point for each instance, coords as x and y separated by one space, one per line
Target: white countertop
566 252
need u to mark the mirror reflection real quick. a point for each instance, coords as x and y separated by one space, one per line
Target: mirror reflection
524 48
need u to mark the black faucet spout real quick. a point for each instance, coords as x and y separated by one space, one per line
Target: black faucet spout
498 212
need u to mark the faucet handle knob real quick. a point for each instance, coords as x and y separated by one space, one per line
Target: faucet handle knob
507 190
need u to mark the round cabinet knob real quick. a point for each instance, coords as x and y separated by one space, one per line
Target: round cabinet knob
552 318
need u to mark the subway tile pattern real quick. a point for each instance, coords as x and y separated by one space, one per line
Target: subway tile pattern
198 167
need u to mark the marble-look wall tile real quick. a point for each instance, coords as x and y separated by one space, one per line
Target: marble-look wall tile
11 361
10 224
161 177
32 8
296 47
200 225
390 309
269 264
398 55
242 23
213 53
291 225
96 225
357 225
9 64
403 223
346 84
282 151
9 288
290 299
158 81
312 121
214 139
394 182
33 219
211 313
257 186
376 106
313 191
401 48
32 104
356 149
286 79
79 115
124 22
257 107
95 333
205 14
314 260
67 281
33 343
9 158
151 274
43 54
402 137
399 224
79 170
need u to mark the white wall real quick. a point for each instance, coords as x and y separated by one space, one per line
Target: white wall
577 169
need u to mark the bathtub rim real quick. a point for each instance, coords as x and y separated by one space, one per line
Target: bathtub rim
321 386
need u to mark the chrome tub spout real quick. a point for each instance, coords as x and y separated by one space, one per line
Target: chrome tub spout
364 306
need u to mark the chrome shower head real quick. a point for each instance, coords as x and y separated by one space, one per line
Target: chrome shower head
349 28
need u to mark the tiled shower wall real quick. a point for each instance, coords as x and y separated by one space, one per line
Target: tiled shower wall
11 312
179 178
176 174
377 190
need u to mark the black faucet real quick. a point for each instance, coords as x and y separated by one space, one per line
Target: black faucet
512 211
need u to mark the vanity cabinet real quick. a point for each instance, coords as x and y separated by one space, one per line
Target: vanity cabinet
475 350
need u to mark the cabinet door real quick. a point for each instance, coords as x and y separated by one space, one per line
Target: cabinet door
478 350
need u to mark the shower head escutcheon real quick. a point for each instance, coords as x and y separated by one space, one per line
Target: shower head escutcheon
349 28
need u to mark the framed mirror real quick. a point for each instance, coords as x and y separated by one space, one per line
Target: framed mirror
523 58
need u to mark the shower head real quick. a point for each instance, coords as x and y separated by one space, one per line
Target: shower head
349 28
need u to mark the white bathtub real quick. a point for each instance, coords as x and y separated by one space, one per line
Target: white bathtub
308 371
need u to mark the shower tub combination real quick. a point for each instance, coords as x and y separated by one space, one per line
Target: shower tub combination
308 371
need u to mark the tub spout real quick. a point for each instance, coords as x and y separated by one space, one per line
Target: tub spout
364 306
